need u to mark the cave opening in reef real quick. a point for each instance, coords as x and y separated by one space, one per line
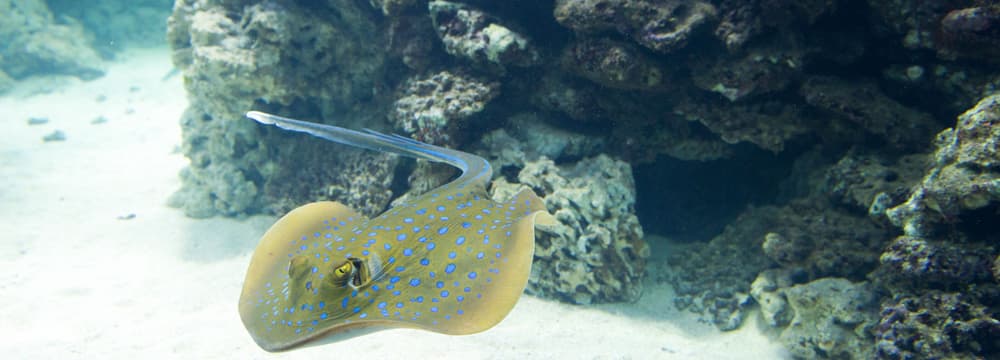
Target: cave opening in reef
695 200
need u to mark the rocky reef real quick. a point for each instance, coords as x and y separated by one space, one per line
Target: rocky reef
803 156
72 38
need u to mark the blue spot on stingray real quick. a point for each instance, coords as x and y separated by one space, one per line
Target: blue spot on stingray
460 240
343 303
443 230
304 247
408 220
400 268
394 279
365 252
467 289
430 246
407 252
315 269
414 282
449 269
466 225
444 293
452 255
421 211
472 275
434 309
399 305
387 246
401 237
480 255
440 284
460 312
321 304
440 208
460 298
425 262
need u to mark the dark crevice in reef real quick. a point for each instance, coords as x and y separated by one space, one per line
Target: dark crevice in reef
980 225
694 201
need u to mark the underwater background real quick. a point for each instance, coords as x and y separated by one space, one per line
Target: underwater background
732 179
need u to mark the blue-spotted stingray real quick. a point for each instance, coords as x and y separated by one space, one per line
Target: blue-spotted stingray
450 261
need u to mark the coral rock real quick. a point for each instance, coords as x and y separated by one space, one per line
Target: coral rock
430 106
868 181
661 25
865 105
280 57
963 187
595 253
972 32
475 35
925 263
832 318
936 325
613 64
34 43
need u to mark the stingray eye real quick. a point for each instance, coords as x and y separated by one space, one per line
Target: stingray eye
343 270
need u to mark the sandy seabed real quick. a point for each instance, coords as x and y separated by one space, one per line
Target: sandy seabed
94 265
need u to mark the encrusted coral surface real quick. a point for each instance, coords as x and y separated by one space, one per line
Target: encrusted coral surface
271 56
430 107
661 25
936 325
613 64
965 177
477 36
833 318
596 252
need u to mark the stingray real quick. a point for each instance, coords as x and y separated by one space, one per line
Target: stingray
451 261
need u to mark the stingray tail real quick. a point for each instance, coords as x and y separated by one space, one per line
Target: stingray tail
473 167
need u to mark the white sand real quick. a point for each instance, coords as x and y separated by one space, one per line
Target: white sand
78 282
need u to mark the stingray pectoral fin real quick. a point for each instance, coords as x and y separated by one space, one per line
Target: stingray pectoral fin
276 260
509 282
